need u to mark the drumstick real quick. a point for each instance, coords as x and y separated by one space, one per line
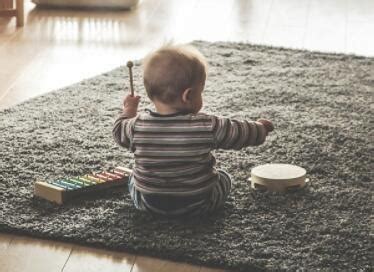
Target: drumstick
130 64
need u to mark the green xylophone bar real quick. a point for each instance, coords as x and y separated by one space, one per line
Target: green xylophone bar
62 190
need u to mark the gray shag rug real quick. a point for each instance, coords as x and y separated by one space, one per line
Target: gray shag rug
322 108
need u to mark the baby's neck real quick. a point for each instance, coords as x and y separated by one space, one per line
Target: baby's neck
165 109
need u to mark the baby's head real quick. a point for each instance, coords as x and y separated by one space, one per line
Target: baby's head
174 78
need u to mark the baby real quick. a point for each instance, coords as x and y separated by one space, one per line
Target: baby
174 171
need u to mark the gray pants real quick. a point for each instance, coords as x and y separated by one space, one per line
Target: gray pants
175 206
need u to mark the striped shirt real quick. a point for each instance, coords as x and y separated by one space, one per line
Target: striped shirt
173 152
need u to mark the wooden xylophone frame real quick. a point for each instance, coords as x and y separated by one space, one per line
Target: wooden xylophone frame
63 190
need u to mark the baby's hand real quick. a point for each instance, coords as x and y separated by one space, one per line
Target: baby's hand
267 124
130 105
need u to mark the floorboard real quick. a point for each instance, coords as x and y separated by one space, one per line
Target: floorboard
98 260
5 240
146 264
33 255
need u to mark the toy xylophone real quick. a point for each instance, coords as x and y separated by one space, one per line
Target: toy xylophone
62 190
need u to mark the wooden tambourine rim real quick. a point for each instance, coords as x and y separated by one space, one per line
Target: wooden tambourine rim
285 188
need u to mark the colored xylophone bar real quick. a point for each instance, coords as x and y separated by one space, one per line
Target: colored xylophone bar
62 190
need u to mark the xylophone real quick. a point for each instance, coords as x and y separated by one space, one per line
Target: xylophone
62 190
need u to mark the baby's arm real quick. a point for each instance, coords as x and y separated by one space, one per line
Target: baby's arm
234 134
122 130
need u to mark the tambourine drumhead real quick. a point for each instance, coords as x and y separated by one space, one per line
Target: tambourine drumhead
278 177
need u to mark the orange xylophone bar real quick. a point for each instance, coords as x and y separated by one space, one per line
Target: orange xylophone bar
62 190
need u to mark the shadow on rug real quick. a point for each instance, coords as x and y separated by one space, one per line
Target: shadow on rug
322 108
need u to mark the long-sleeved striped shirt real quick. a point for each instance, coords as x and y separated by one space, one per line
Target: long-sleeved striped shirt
173 152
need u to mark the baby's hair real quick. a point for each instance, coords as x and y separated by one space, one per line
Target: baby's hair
171 69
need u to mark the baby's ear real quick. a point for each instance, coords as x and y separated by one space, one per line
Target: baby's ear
186 95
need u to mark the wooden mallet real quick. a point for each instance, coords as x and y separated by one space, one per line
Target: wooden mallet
130 64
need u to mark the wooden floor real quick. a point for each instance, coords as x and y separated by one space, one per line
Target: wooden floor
21 254
56 48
